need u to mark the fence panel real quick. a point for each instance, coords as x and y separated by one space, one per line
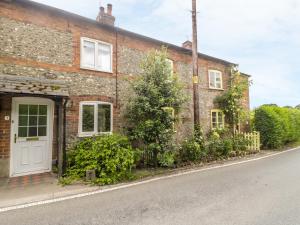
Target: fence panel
254 141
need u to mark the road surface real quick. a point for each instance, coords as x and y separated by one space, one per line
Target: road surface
263 192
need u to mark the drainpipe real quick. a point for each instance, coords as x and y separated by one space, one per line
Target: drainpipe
65 136
116 68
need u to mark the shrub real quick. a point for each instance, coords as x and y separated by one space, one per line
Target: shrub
239 144
112 158
217 147
277 125
222 145
156 100
193 149
166 159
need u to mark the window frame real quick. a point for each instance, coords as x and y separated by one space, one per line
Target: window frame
172 66
95 132
96 42
218 122
215 82
172 110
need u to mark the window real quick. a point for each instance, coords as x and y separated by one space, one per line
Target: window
95 118
96 55
32 120
215 79
217 119
171 65
171 112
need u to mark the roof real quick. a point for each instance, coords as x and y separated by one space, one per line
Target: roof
120 30
244 74
31 85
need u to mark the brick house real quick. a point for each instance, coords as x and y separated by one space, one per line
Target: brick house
57 69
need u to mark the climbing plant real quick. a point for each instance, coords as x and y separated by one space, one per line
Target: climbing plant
231 102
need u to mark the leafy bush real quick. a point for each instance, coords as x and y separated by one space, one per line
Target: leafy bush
112 158
192 149
157 98
239 144
166 159
223 146
217 147
277 125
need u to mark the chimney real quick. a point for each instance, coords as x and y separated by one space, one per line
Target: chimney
106 17
187 45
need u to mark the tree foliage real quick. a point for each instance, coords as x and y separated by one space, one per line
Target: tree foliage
156 90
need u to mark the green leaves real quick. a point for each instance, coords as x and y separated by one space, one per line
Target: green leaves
277 125
155 90
112 158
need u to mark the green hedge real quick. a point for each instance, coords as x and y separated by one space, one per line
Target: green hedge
112 158
277 126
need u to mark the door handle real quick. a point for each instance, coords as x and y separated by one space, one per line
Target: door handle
15 138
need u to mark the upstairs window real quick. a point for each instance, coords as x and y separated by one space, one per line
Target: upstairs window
215 79
96 55
171 112
217 119
95 118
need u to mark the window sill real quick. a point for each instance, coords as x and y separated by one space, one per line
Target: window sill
82 135
217 129
216 89
95 70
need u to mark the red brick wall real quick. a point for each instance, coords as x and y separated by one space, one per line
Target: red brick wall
5 110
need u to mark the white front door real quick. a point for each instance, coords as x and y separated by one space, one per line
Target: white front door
31 136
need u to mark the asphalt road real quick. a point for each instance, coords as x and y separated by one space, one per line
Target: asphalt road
261 192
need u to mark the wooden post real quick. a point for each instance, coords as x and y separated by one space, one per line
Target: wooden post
60 137
195 67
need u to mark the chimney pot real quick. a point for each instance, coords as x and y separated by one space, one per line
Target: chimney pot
102 10
109 9
187 45
106 17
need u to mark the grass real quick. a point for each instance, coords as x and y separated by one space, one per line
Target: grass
138 174
292 145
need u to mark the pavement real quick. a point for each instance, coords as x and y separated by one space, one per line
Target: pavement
260 191
35 188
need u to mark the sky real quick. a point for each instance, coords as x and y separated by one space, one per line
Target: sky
262 36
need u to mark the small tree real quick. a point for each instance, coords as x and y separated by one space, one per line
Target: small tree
231 101
156 91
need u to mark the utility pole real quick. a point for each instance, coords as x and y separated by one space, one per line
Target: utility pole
195 67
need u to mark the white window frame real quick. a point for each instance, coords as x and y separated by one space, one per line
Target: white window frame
96 42
215 82
217 111
172 110
95 132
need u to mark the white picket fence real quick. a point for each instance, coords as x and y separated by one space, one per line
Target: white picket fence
254 140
